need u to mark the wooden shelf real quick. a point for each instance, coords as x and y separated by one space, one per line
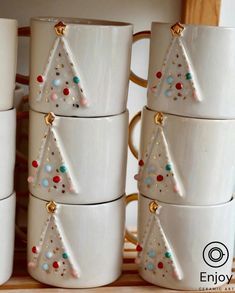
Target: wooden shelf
129 281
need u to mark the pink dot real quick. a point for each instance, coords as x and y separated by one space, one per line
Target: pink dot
30 179
75 274
71 189
174 274
175 188
31 265
137 177
84 102
54 96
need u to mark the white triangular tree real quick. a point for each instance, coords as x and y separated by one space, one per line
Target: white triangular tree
51 170
154 251
156 170
52 255
176 79
61 80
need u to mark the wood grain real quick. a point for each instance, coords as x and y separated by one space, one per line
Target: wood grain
205 12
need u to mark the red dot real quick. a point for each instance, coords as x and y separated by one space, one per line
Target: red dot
56 179
40 78
141 163
138 248
55 265
160 265
159 177
34 249
159 74
35 164
66 91
179 86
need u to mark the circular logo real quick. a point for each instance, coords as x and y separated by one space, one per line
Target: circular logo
215 254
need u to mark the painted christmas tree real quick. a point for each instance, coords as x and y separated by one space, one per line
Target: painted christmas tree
51 254
61 82
156 170
154 252
176 79
51 170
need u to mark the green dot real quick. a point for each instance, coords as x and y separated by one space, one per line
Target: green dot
63 169
65 255
76 79
168 167
188 75
167 254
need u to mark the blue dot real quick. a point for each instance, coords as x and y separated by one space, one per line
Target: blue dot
45 266
151 169
56 82
48 168
168 93
150 266
151 253
169 79
168 167
148 180
49 254
45 182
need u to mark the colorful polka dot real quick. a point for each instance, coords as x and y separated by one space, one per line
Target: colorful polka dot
159 74
45 182
76 79
167 254
169 79
40 78
168 167
35 164
55 265
159 178
45 266
66 91
168 93
48 254
151 253
188 76
56 82
48 168
63 169
65 255
179 86
160 265
148 181
141 163
150 266
56 179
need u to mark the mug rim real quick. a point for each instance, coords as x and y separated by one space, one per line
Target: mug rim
81 21
147 109
201 26
126 112
180 206
123 196
10 20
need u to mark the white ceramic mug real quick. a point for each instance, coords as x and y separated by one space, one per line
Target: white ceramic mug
77 157
191 70
75 246
79 67
8 61
7 226
186 160
7 154
184 247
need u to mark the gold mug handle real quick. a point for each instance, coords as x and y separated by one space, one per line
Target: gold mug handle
23 32
132 126
130 236
134 77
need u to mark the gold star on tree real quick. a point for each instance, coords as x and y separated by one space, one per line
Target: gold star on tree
51 207
153 206
159 118
49 118
177 29
60 28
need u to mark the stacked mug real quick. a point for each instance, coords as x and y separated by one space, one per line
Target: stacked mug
8 60
186 210
77 150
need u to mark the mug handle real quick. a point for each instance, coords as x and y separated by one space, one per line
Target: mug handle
133 77
128 235
23 32
132 126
